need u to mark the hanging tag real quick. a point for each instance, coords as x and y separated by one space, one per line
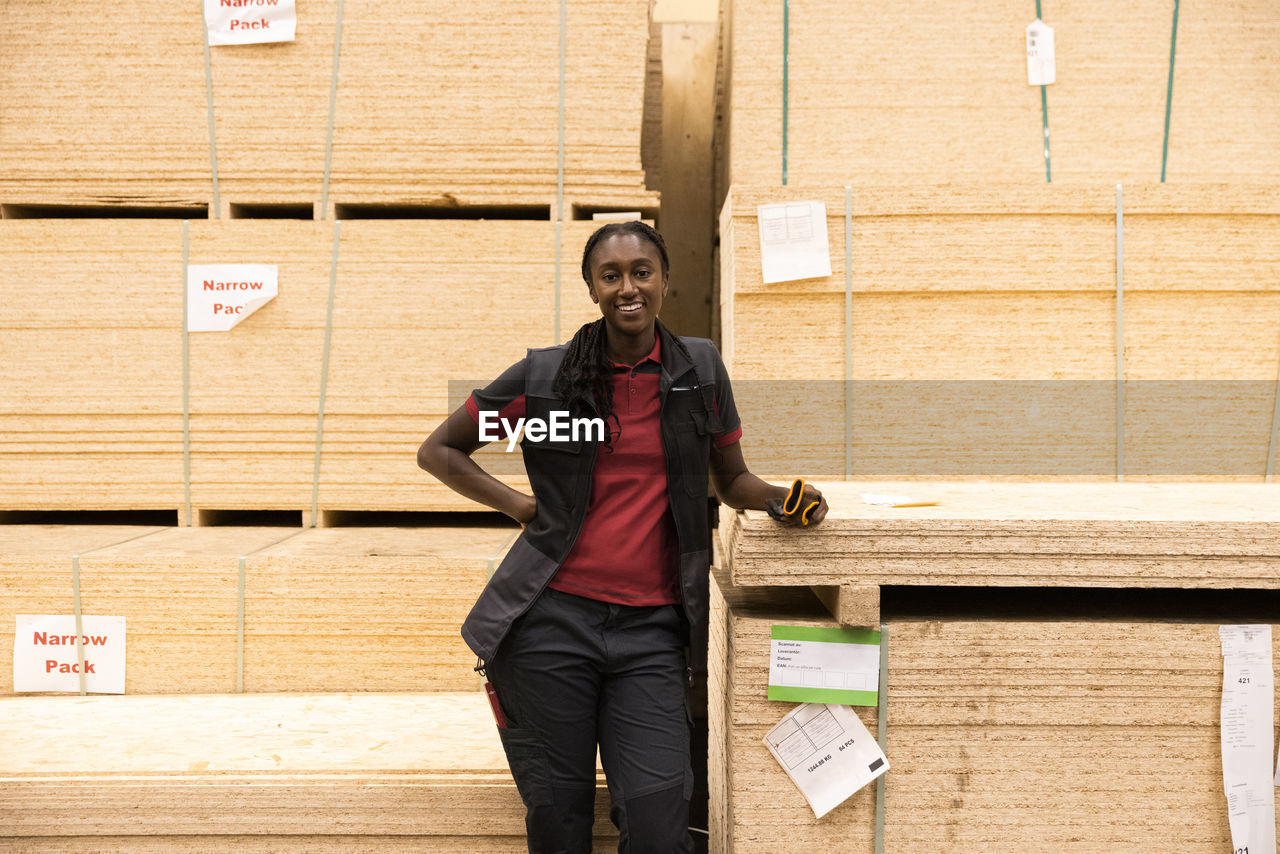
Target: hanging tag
1040 64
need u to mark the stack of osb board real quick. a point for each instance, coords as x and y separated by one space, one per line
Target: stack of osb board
984 330
436 104
341 609
891 93
1143 535
1057 735
424 312
303 772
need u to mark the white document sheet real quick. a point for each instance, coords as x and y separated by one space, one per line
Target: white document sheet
219 296
45 658
827 752
1248 710
793 241
1041 64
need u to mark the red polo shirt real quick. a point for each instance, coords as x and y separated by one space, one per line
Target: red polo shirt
626 551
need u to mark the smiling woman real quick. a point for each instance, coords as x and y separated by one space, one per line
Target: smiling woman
594 625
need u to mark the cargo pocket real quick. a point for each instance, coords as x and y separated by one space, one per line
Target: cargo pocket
527 758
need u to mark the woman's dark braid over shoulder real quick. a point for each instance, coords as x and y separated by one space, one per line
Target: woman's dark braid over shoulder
586 371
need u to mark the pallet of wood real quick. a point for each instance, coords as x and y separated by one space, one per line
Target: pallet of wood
424 311
1137 535
433 104
336 609
314 772
1047 734
986 328
837 92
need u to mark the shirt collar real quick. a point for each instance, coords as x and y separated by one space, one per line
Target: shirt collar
655 355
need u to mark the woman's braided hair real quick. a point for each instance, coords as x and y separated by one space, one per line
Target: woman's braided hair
586 372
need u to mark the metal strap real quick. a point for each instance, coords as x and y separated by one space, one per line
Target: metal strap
324 375
1044 117
560 110
882 721
786 81
333 100
186 379
1275 428
1168 98
1119 333
848 333
75 598
208 88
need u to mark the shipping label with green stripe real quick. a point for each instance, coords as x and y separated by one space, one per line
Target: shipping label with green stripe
811 664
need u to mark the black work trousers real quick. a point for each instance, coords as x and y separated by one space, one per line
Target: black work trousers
574 673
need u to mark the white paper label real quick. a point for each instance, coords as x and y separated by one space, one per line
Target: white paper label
1248 710
221 295
45 657
827 752
250 21
1040 64
793 241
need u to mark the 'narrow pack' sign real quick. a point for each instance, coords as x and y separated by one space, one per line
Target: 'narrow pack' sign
221 295
250 21
46 658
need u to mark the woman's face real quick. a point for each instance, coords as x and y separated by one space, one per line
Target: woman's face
627 283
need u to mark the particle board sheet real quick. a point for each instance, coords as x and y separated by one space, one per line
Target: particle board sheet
421 765
444 105
367 609
990 315
1143 535
1072 735
36 572
436 104
897 94
341 609
425 312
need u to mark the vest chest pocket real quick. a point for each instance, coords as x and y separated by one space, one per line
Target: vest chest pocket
555 448
693 441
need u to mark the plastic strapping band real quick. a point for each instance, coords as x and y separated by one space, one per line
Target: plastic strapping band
882 722
492 563
324 376
241 583
1119 333
1275 428
1044 117
186 380
333 100
848 333
208 89
564 36
75 600
786 80
1168 98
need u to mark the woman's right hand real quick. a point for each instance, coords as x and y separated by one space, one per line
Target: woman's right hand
527 511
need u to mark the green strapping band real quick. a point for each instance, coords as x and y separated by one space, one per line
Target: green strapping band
208 88
492 563
848 333
324 375
186 379
882 721
333 100
1119 333
1044 117
564 29
786 80
1275 428
75 598
1168 98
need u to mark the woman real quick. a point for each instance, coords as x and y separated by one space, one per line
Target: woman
586 628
